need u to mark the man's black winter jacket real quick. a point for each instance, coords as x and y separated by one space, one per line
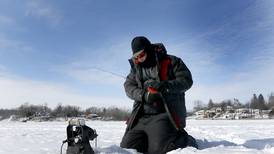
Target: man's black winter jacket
179 80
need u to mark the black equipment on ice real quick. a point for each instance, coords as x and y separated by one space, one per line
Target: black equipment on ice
78 136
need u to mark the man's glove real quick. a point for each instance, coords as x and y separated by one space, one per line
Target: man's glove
160 86
152 95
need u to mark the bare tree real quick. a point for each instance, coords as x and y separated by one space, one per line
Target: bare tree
271 101
210 104
261 103
254 102
198 105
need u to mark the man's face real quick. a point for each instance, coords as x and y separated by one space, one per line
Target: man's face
139 57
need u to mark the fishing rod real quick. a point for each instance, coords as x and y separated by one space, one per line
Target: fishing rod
109 72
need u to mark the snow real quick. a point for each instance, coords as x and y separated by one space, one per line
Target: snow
213 137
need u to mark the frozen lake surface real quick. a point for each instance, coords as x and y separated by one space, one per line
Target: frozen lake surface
213 137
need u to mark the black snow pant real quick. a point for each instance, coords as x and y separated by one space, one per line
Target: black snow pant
154 135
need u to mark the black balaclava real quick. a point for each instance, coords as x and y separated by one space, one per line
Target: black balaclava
140 43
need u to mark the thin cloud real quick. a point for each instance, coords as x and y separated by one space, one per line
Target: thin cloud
242 86
15 90
6 20
110 67
3 70
198 54
95 76
13 45
42 10
113 55
255 71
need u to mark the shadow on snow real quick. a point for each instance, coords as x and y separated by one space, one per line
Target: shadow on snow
114 149
257 144
204 144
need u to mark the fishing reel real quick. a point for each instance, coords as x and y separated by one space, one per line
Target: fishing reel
78 137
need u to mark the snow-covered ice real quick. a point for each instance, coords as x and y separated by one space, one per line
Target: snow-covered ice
213 137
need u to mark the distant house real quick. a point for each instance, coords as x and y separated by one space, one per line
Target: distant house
214 112
256 111
271 114
200 114
229 116
228 108
92 116
266 114
218 109
210 113
230 113
266 111
243 110
243 113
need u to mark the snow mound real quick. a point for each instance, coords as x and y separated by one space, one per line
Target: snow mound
114 149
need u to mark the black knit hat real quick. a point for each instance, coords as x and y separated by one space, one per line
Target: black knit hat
140 43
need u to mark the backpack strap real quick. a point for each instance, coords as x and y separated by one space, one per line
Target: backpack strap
164 68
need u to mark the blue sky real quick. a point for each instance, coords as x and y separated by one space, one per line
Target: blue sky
49 49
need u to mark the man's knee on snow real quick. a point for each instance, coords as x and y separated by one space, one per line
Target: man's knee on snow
139 145
157 148
124 144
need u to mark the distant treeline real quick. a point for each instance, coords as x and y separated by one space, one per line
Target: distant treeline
256 102
30 110
114 113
